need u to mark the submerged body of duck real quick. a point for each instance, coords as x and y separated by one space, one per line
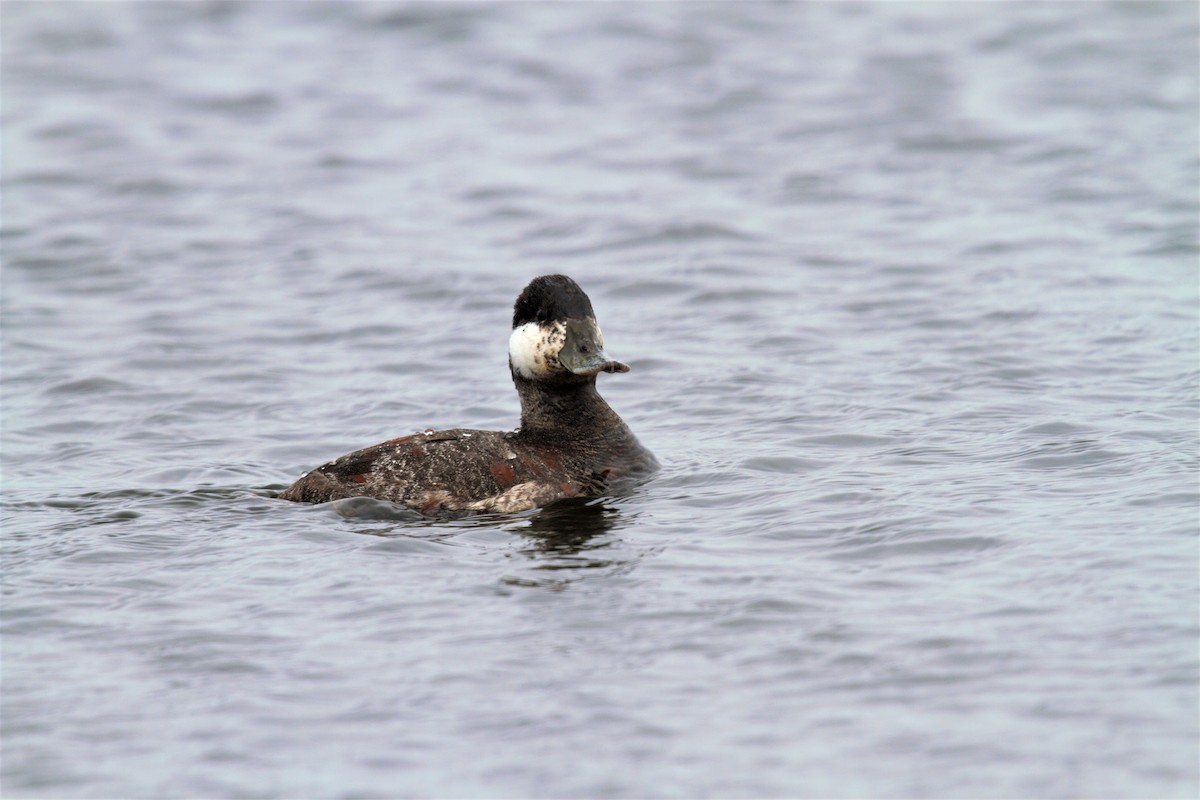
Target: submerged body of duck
570 443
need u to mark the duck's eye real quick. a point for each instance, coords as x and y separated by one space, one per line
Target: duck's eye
583 348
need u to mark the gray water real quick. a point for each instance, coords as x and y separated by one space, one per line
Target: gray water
910 296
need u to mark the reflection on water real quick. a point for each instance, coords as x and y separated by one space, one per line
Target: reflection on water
571 523
571 539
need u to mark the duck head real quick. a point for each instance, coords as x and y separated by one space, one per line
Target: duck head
555 338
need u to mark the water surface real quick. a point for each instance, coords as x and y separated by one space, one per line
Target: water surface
910 296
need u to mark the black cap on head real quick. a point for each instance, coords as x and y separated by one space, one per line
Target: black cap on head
551 297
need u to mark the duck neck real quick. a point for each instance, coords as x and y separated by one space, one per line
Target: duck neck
570 412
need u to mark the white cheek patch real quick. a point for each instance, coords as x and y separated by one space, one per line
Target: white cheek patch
523 349
533 349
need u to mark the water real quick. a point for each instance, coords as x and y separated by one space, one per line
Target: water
910 296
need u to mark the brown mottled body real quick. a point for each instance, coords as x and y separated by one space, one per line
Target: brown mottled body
570 443
442 473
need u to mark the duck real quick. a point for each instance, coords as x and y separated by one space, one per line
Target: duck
570 443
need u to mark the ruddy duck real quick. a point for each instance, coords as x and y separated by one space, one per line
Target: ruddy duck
570 443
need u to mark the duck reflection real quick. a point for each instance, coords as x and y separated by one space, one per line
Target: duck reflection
559 544
572 539
570 522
